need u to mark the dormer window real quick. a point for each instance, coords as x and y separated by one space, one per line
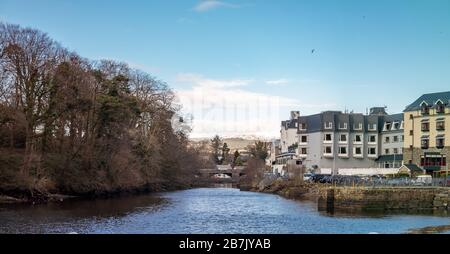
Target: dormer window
440 107
342 126
357 126
372 127
396 126
303 126
329 125
424 109
387 127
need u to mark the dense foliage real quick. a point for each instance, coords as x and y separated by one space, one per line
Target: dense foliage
72 125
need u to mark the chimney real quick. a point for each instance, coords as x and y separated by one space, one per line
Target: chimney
295 115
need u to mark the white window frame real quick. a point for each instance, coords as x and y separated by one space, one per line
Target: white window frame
372 154
360 125
328 141
358 142
343 154
371 142
360 155
346 138
329 125
325 148
374 125
343 128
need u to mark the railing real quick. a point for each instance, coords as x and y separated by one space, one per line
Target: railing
354 181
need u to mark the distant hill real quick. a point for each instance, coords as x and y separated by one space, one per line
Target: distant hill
235 143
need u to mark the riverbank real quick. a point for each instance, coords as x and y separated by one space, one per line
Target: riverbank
347 198
34 197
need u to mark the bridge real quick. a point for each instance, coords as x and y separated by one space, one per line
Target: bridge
234 173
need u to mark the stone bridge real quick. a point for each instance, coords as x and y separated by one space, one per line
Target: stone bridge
235 173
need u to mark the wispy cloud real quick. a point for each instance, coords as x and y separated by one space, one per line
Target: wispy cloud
203 82
207 5
228 108
277 82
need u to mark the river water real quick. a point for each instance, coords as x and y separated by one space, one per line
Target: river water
206 210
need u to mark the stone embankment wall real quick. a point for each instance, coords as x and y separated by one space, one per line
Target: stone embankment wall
383 198
442 200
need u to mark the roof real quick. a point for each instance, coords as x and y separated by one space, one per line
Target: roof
394 118
430 99
390 157
413 167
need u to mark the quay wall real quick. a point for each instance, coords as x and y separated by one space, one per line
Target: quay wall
369 198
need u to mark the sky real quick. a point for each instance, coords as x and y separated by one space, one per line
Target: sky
239 67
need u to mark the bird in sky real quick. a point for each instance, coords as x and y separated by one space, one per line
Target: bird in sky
312 51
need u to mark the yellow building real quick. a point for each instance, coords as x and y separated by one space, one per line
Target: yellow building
427 132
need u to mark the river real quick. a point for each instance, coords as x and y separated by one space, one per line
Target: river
205 210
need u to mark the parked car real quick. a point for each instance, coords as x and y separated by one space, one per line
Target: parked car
424 179
307 177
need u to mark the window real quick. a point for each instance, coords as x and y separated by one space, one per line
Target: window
329 125
387 127
425 126
328 150
372 139
303 151
358 150
302 126
395 138
433 161
440 142
425 143
440 125
386 151
425 110
328 137
343 138
395 150
372 151
343 150
304 139
411 116
358 126
372 127
440 107
411 132
396 126
343 126
387 139
402 138
358 138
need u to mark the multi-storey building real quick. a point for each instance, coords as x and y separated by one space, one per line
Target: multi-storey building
427 132
289 136
334 140
391 140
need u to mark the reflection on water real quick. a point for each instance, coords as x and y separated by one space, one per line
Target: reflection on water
208 210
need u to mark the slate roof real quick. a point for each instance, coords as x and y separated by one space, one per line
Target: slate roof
394 118
413 167
430 99
390 157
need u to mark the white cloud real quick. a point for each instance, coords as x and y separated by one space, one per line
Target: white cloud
207 5
199 80
224 107
277 82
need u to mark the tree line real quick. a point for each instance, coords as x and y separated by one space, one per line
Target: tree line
73 125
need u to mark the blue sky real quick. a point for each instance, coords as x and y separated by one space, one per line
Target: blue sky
240 66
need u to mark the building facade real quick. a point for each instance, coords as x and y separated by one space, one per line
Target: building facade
289 135
391 140
427 132
334 140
